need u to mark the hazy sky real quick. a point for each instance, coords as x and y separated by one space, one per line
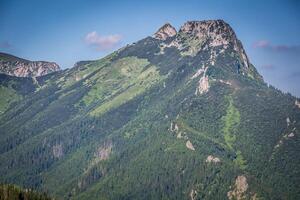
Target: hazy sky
66 31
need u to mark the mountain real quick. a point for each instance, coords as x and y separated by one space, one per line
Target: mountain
176 115
15 66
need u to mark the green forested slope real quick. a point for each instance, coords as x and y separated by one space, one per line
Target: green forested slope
142 124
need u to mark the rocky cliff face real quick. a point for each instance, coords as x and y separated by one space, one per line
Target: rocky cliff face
15 66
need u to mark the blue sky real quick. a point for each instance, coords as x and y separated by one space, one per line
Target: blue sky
66 31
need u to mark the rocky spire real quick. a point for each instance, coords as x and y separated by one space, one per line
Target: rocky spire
165 32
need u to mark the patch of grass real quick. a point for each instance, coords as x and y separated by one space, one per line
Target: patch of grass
126 80
113 78
83 71
231 121
192 44
185 127
139 85
240 161
177 147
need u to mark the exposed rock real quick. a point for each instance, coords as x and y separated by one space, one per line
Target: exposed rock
179 135
77 77
225 82
36 82
278 144
57 150
212 159
165 32
212 59
291 135
284 137
15 66
193 194
216 30
216 33
171 127
208 29
189 145
239 189
104 151
174 127
203 85
288 121
199 72
254 197
297 103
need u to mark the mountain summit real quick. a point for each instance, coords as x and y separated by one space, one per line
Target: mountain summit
177 115
214 33
212 36
165 32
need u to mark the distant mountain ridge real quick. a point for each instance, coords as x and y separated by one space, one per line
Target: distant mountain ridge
20 67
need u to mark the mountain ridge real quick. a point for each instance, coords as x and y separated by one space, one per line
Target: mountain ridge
20 67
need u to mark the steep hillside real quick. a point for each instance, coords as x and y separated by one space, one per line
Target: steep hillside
15 66
180 115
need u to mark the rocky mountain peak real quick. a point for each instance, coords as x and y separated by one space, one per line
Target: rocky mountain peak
19 67
209 34
165 32
213 37
218 31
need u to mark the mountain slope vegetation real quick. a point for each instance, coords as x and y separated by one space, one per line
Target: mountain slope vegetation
183 116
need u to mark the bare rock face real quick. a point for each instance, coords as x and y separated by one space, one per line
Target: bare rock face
217 30
297 103
104 151
165 32
212 159
239 189
15 66
213 33
57 150
203 83
189 145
